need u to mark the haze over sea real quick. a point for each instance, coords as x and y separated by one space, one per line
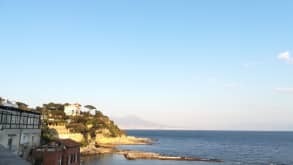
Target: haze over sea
234 147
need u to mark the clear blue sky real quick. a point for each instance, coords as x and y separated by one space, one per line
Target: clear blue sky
190 64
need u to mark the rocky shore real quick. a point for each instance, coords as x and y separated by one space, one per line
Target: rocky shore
134 155
123 140
108 146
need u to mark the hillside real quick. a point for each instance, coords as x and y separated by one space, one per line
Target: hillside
83 128
88 126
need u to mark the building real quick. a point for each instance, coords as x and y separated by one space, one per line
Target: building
20 130
93 112
60 152
72 109
8 103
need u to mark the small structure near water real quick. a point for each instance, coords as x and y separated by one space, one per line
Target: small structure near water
60 152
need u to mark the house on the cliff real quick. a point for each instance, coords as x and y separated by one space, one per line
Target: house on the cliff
20 130
72 109
60 152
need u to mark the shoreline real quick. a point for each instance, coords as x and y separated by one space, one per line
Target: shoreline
110 148
105 145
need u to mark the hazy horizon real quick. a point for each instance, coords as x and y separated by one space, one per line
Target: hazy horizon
202 65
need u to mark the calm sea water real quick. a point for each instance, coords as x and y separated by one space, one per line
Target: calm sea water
235 148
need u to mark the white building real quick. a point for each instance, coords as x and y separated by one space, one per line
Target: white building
72 109
93 112
19 130
9 103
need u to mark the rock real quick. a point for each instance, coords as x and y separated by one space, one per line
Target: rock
108 145
123 140
134 155
95 151
92 149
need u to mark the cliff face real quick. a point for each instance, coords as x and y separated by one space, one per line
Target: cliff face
63 133
85 128
102 137
93 124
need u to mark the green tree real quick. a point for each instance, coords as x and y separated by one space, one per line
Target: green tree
78 124
47 135
54 111
54 106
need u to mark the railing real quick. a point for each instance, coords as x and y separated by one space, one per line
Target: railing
11 120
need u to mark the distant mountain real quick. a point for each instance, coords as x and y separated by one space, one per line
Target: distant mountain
135 122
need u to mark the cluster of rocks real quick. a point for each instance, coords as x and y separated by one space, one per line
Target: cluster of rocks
134 155
107 148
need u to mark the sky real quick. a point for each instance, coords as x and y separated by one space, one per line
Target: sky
203 65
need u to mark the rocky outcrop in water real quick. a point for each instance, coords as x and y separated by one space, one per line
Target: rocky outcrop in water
134 155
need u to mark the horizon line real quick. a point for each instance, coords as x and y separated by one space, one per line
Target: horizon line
207 130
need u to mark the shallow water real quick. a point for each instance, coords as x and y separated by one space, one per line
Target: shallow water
243 148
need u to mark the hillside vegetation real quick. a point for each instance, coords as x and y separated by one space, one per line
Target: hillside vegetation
89 126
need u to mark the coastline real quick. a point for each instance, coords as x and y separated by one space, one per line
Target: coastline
108 146
103 144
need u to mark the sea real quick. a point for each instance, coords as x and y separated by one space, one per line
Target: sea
233 147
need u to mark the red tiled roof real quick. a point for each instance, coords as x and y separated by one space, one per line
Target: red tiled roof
69 142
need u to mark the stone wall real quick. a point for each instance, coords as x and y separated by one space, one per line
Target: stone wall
63 133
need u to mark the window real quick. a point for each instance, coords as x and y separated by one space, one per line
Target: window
12 120
23 139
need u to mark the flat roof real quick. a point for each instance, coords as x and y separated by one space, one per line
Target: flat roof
18 110
68 142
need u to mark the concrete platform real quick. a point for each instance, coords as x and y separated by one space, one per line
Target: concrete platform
8 158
